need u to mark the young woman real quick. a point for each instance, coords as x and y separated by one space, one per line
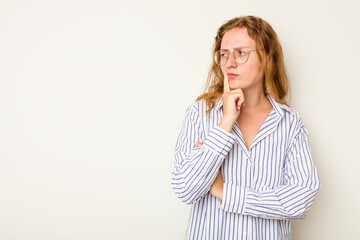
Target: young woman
242 158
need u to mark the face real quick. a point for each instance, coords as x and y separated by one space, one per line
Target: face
245 75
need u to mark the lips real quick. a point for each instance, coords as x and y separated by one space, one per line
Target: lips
231 75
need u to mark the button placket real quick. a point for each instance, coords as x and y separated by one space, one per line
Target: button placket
252 181
248 173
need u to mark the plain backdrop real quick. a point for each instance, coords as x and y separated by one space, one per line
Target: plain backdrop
93 94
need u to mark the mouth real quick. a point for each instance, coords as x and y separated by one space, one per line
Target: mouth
231 75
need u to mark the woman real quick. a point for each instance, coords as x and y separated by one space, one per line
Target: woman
242 158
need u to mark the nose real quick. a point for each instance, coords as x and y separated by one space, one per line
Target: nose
231 62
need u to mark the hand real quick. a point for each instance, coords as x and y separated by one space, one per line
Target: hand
198 144
217 187
232 103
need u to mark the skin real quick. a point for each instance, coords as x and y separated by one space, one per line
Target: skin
245 85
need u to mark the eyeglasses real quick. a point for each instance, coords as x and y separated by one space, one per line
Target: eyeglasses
241 55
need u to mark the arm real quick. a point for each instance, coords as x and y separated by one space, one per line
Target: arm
196 167
292 200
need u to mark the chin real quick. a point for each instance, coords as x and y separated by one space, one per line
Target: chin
237 86
242 84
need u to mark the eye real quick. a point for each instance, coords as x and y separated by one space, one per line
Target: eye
223 54
240 52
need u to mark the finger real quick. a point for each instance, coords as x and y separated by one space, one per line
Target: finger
238 104
240 101
198 144
226 83
243 98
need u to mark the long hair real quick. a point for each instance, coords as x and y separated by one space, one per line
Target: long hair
276 82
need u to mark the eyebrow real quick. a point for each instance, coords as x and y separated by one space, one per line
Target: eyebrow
234 48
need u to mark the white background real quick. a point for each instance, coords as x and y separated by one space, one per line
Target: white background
93 93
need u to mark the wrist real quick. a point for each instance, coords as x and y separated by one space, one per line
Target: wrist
227 124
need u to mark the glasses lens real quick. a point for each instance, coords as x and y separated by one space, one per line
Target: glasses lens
221 57
241 55
217 57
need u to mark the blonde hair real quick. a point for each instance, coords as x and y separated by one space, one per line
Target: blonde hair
276 83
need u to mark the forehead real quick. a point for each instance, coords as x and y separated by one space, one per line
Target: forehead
237 37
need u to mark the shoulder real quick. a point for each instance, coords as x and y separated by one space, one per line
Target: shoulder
287 112
198 107
196 110
293 124
293 119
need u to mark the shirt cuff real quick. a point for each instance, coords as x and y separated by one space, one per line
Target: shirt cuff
219 140
233 198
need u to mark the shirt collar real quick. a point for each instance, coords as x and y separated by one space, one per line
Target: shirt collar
276 106
219 104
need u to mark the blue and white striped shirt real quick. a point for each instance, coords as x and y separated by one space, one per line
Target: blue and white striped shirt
264 187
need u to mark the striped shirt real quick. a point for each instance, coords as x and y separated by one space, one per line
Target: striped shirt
265 186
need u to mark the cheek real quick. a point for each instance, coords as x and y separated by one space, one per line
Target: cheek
255 70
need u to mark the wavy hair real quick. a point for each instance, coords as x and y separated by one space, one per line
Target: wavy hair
276 83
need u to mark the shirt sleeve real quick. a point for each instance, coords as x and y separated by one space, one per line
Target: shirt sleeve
289 201
196 168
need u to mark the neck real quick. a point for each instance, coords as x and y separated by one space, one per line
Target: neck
255 99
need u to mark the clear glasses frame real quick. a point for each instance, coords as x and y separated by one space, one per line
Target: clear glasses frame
241 55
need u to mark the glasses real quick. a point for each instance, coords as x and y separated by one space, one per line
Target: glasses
241 55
